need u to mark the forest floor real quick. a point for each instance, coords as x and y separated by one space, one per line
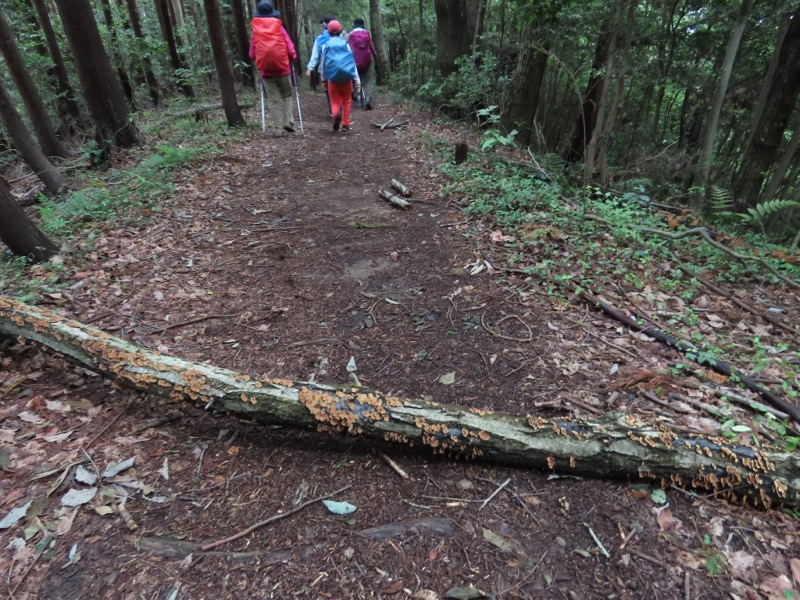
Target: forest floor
278 258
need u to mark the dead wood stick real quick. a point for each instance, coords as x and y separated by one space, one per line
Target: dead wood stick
387 123
395 200
172 415
691 351
703 233
749 403
743 305
272 519
608 446
653 398
192 321
494 493
397 468
401 187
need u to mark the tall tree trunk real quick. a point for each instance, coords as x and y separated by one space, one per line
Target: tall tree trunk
229 103
378 38
124 79
45 131
200 38
587 119
178 64
602 99
243 43
773 118
68 109
101 89
456 26
25 144
779 173
147 65
526 86
19 233
707 150
290 17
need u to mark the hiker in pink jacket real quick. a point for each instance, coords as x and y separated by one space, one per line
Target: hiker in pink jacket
272 50
365 54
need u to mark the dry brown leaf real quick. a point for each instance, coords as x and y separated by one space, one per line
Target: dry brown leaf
664 519
394 588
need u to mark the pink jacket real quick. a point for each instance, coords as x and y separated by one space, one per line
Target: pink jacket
290 49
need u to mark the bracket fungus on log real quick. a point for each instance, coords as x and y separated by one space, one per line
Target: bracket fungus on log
614 446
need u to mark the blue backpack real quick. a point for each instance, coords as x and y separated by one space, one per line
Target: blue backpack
340 64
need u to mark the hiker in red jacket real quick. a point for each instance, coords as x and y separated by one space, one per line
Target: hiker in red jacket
339 76
273 50
364 52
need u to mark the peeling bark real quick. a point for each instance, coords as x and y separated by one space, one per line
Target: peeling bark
615 446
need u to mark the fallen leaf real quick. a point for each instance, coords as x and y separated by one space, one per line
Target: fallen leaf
13 517
497 540
664 519
78 497
794 564
339 508
116 468
448 378
464 593
83 475
30 417
394 588
740 564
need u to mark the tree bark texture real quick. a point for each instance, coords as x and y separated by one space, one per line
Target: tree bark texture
587 119
124 79
27 147
19 233
379 39
768 132
243 43
101 88
707 150
177 61
40 120
226 84
67 105
147 66
526 86
616 446
291 23
456 25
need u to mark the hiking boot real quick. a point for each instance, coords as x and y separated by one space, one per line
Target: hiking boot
345 127
289 128
336 121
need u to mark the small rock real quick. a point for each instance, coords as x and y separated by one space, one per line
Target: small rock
464 484
369 323
561 542
394 255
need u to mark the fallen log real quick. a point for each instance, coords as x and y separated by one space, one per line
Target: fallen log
614 446
394 200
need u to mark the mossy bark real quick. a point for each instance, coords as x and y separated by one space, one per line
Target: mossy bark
615 446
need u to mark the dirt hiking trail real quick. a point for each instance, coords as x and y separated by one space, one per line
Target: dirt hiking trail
278 258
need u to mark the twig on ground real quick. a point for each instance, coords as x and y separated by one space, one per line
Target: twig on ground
507 337
597 541
494 493
749 403
653 398
743 305
314 342
703 233
172 415
397 468
272 519
193 321
114 420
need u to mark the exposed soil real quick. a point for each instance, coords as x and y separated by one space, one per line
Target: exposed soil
278 259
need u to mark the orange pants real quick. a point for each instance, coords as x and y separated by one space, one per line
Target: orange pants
341 100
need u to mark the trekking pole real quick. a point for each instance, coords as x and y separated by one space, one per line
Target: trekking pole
263 114
297 95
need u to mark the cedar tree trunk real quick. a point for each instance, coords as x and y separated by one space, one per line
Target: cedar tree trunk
136 26
229 103
178 64
526 85
376 30
773 118
456 28
124 79
67 105
101 88
45 131
25 144
614 446
19 233
243 43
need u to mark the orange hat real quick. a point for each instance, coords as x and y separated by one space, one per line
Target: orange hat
334 27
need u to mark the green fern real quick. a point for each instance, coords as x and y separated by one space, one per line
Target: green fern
721 200
763 210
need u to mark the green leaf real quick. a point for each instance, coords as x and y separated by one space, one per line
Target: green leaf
658 496
339 508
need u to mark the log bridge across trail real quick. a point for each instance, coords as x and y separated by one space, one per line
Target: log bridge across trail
614 446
